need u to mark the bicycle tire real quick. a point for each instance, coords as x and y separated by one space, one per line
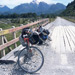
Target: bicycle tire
42 62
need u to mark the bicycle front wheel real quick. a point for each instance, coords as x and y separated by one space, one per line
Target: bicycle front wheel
32 61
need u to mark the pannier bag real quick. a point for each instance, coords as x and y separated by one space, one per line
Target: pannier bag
34 39
46 32
43 36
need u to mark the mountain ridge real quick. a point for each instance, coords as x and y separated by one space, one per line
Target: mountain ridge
37 7
4 8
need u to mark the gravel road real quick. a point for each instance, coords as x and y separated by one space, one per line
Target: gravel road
59 55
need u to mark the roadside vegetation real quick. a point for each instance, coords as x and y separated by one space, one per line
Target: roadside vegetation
70 18
70 9
69 12
7 21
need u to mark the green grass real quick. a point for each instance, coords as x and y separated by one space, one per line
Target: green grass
13 22
51 19
4 26
70 19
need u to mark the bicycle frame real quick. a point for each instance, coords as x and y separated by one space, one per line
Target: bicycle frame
27 40
27 47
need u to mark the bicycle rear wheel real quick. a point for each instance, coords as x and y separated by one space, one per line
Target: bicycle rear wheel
32 61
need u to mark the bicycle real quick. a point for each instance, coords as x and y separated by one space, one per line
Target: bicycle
30 59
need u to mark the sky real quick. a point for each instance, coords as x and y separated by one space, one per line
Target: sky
13 3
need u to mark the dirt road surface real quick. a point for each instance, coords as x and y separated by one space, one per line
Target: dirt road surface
59 56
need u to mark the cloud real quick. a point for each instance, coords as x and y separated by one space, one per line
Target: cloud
13 3
65 2
49 1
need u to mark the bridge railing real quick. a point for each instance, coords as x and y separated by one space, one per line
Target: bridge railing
4 43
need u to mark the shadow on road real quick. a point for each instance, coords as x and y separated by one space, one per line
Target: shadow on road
7 61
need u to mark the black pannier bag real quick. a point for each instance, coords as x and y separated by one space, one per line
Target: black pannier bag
34 39
46 32
25 31
43 36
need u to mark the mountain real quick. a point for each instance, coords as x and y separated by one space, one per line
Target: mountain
70 9
4 9
43 7
56 8
26 8
38 8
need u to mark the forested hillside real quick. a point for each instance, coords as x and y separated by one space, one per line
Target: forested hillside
70 9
